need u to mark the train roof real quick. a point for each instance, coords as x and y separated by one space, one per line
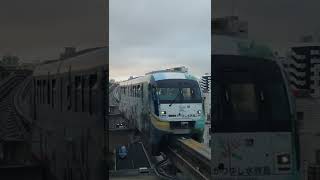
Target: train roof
169 75
227 45
95 58
161 76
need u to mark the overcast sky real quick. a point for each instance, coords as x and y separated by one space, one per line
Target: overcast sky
147 35
276 22
38 29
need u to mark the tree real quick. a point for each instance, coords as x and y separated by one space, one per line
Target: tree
9 60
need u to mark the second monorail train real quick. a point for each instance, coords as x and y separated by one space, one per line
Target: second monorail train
68 111
253 126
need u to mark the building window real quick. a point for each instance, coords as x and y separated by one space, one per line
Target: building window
300 115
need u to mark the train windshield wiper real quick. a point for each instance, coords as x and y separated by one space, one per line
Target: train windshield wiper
174 99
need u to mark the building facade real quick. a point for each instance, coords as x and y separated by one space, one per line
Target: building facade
205 84
303 67
302 64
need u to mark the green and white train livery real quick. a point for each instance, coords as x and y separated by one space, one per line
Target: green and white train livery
163 103
254 136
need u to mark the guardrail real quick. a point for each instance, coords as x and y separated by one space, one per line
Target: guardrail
186 166
189 159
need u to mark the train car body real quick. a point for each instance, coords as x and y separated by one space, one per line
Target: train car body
68 113
253 127
163 103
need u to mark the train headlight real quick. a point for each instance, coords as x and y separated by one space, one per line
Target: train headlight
199 111
163 112
283 159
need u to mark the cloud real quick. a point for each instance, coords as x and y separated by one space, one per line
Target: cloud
146 35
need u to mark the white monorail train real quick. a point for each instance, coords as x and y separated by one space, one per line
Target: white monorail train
163 103
253 125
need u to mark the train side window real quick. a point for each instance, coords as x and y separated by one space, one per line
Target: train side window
38 91
48 92
61 93
138 91
68 94
82 92
53 89
142 91
130 89
43 91
92 81
77 83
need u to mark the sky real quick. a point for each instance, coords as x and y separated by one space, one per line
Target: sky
39 30
147 35
276 23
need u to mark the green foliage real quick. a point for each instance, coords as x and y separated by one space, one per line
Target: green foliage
10 60
255 50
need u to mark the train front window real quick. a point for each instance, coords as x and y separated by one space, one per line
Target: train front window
168 94
252 97
179 91
243 100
